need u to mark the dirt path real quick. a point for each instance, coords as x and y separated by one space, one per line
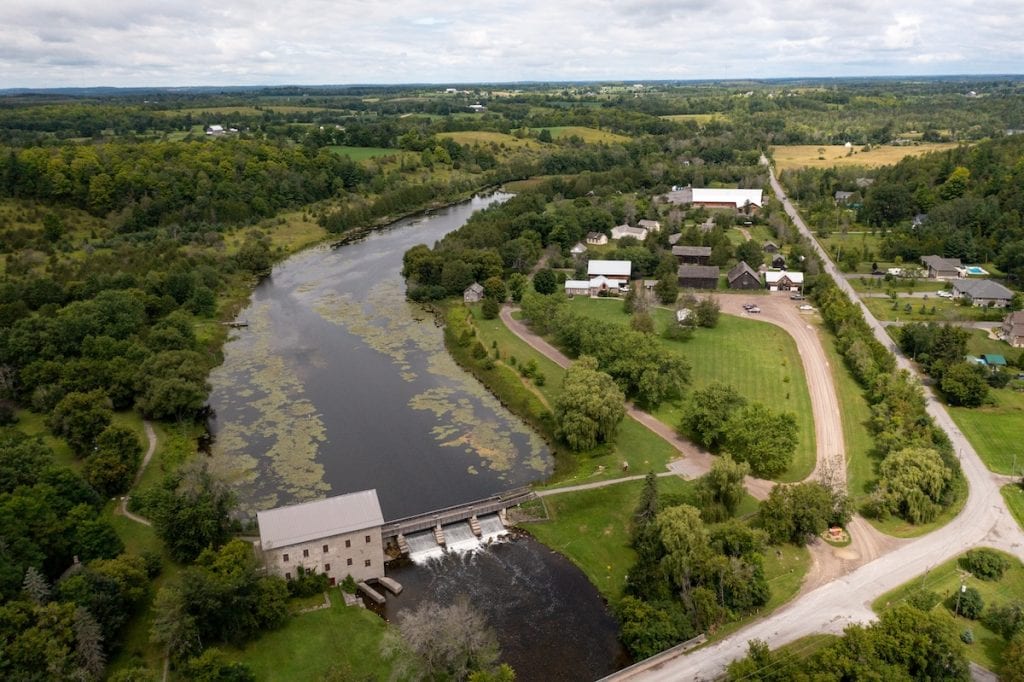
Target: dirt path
778 309
745 232
696 461
599 484
122 508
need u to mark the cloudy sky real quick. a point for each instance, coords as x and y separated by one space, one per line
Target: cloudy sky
49 43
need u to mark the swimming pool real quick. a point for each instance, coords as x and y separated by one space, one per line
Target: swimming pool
975 270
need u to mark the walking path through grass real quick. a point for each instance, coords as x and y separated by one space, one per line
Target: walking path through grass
123 506
696 462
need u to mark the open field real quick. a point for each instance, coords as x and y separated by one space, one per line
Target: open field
996 432
472 137
945 580
699 119
363 153
768 370
788 157
584 133
344 640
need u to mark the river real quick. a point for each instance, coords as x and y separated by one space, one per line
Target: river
339 384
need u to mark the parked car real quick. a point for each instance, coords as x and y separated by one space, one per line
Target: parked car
805 306
748 306
944 294
797 297
753 309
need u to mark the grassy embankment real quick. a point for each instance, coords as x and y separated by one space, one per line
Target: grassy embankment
592 529
757 358
341 640
807 155
945 580
996 431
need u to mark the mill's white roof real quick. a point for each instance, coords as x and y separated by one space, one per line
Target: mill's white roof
577 284
307 521
714 195
609 267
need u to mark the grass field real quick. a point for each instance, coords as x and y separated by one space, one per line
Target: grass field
592 527
584 133
699 119
768 371
996 432
946 310
807 155
363 153
483 137
944 580
342 639
634 443
878 285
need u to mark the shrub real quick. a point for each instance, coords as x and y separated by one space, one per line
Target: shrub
967 603
923 600
490 308
984 563
967 636
348 584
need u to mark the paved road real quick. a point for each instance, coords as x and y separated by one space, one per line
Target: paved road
984 520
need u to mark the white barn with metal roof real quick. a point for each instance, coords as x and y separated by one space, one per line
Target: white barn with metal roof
337 536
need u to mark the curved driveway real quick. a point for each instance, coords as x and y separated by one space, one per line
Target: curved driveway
984 520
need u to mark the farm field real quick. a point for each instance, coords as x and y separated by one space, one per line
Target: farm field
768 371
363 153
584 133
996 432
700 119
945 580
788 157
472 137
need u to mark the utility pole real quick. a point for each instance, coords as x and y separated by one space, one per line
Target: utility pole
963 588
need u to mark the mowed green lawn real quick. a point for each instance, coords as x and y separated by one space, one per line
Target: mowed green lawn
363 153
996 432
1013 494
944 580
342 638
758 358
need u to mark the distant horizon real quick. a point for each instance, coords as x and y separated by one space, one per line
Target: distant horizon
949 77
49 44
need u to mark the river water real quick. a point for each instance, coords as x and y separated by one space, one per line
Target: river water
338 384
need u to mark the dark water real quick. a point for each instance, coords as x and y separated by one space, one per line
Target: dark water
550 623
338 384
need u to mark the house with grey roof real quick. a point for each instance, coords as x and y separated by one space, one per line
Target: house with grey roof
695 255
743 277
649 225
942 268
337 536
982 293
1012 330
843 197
698 276
474 293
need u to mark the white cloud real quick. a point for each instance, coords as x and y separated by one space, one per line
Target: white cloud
174 42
